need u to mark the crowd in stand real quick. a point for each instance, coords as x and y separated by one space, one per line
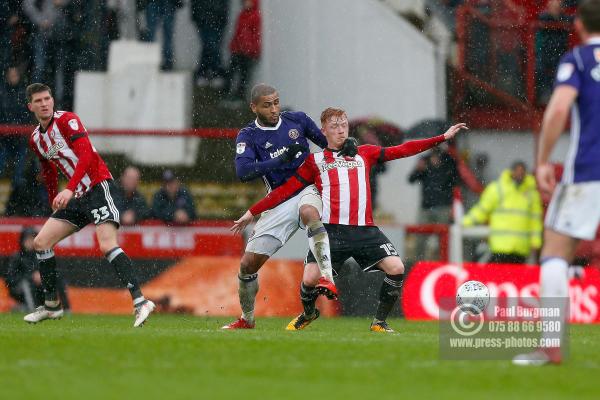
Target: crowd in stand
172 203
498 40
50 40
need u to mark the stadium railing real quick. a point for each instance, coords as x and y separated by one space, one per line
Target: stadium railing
477 97
206 133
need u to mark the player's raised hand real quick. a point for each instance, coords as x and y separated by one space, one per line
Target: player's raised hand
240 224
545 178
62 199
454 129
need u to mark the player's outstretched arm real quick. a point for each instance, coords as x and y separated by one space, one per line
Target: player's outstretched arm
303 177
273 199
418 146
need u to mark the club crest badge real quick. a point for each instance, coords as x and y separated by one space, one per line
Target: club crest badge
73 124
240 148
564 72
293 134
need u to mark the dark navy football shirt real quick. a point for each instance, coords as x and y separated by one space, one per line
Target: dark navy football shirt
580 68
258 147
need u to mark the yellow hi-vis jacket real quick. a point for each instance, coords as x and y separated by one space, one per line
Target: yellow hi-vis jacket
514 214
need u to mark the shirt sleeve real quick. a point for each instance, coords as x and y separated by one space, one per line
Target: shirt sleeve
569 70
73 129
246 166
84 152
411 148
303 177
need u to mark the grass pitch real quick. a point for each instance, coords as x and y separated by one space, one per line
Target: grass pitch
179 357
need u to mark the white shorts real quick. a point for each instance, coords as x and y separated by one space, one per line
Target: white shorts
282 222
575 210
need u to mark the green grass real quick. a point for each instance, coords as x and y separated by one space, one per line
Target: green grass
178 357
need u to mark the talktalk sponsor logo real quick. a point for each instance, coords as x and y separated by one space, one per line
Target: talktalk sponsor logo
428 283
278 152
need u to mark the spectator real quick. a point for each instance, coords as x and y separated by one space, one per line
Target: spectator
438 175
478 43
162 11
9 18
551 43
125 15
172 203
48 19
245 49
134 208
513 208
23 277
71 51
210 16
13 111
507 44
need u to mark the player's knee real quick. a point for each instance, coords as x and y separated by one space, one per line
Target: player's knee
106 243
40 243
395 267
249 265
309 213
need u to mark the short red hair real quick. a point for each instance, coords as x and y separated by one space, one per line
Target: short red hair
332 112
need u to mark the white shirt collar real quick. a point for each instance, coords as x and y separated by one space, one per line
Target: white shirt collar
267 128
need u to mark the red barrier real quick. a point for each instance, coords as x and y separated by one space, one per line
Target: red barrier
148 240
429 282
207 133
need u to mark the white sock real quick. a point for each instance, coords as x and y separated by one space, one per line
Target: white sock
52 303
554 292
138 301
318 241
247 291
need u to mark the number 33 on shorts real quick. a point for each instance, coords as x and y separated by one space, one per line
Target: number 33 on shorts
100 214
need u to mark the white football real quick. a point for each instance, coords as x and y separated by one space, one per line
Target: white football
472 297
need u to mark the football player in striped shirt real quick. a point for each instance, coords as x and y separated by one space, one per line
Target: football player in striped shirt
62 144
343 181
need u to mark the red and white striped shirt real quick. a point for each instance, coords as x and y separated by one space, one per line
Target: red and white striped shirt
342 181
65 146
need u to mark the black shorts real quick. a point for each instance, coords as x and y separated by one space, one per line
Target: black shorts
100 204
366 244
